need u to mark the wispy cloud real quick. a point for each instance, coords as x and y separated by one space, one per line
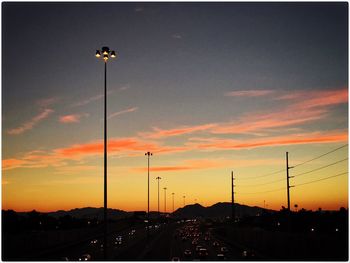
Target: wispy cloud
203 164
248 93
176 36
305 107
71 118
44 103
122 112
292 139
31 123
159 133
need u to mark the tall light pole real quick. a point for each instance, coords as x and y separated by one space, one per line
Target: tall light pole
164 199
173 200
107 53
148 154
184 197
158 178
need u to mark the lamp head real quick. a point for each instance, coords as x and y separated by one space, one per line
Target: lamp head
98 53
105 50
113 54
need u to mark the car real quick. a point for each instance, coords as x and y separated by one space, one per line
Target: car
223 249
195 242
198 248
175 259
118 240
206 238
248 254
220 256
215 244
94 241
203 252
187 253
85 257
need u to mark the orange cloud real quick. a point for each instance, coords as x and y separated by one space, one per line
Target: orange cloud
248 93
198 164
117 146
59 156
30 124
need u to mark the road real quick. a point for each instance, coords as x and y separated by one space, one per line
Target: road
164 242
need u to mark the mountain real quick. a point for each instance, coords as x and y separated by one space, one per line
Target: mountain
91 212
217 210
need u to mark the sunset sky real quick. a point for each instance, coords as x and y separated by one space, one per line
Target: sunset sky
207 88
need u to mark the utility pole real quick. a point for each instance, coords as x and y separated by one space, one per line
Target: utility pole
184 197
173 200
288 186
232 197
164 199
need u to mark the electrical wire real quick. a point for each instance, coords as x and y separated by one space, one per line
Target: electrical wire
260 176
320 168
275 190
320 156
279 180
314 181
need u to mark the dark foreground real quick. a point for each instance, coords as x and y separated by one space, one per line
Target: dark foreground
267 237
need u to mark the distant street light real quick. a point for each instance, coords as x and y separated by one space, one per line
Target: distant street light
184 197
164 199
173 200
158 178
106 54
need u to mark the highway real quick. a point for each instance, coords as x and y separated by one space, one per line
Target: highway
174 241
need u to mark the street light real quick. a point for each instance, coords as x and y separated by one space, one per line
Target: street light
158 178
173 200
164 199
184 197
148 154
106 52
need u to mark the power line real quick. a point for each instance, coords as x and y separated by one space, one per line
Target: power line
320 156
320 168
314 181
275 190
259 176
279 180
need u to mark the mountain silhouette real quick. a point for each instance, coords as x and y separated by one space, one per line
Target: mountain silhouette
218 210
91 212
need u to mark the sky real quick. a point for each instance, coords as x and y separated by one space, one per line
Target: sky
208 88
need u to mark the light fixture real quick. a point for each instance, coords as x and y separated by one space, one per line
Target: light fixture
113 55
105 57
98 54
105 50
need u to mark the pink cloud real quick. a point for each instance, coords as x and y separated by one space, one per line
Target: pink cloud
308 106
31 123
70 118
248 93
